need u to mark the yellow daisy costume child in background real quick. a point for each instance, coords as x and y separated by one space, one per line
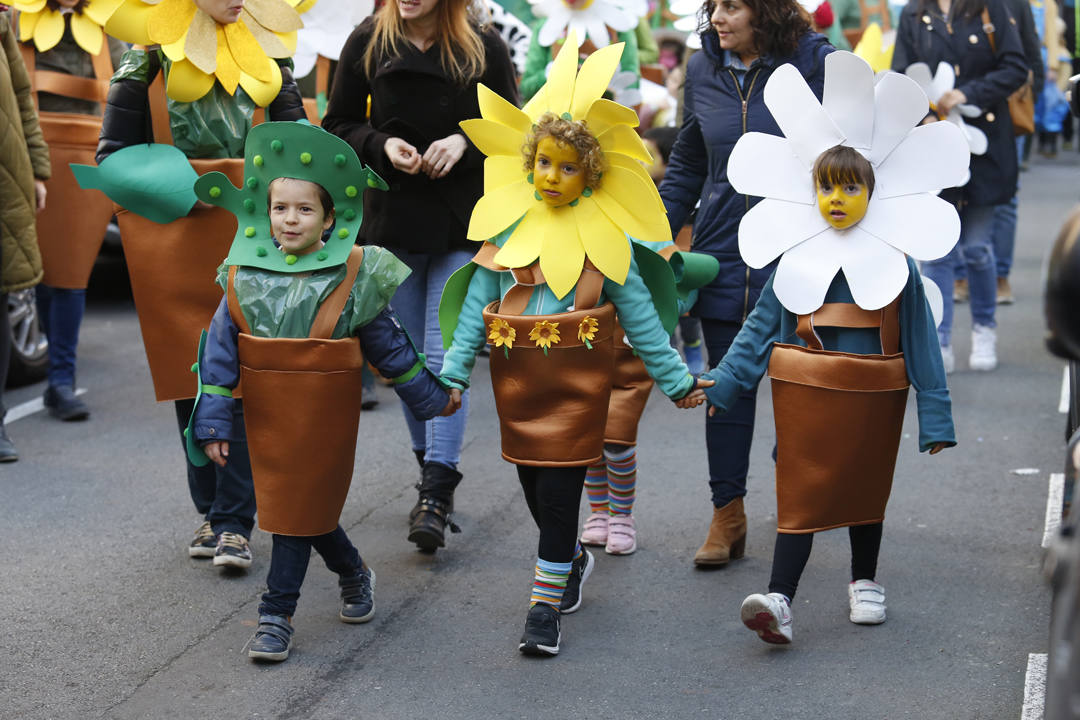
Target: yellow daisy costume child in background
555 267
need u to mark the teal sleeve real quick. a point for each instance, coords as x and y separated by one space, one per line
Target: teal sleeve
470 335
637 315
380 275
536 62
747 360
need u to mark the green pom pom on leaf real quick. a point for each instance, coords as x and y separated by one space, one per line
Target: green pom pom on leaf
258 160
249 205
277 145
349 214
249 231
305 158
291 259
215 192
340 160
322 255
351 191
260 251
372 182
343 233
252 183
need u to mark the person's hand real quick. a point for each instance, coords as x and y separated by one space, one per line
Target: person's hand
949 100
217 451
39 194
453 404
696 396
403 156
442 155
938 447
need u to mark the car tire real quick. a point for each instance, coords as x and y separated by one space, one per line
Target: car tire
29 361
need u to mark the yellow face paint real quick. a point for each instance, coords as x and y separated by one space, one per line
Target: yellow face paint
558 174
842 205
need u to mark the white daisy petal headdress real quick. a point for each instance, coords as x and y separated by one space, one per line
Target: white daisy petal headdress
904 217
589 18
937 85
327 25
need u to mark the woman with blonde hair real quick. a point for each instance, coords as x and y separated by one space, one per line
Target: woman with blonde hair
420 61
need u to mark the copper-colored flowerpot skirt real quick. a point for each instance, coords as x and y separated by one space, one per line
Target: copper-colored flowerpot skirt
630 390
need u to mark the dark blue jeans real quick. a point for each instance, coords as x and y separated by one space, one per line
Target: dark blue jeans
289 563
225 495
61 312
727 435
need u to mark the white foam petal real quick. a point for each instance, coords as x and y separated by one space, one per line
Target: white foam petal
805 272
875 271
774 226
800 116
849 97
923 226
766 166
930 158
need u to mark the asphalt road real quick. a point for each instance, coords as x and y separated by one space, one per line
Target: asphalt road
107 617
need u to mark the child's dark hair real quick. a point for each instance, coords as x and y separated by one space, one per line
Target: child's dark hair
325 200
664 137
840 165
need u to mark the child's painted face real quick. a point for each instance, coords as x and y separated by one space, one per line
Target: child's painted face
842 205
296 215
223 11
558 174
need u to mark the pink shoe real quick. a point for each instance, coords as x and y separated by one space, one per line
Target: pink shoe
622 537
596 529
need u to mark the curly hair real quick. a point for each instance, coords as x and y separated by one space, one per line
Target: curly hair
777 25
574 133
840 165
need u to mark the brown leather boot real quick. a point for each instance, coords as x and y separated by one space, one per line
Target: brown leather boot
727 536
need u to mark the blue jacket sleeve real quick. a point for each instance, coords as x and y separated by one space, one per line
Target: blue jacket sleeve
469 336
688 165
216 415
388 348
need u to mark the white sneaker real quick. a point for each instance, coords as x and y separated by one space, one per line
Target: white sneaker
867 601
948 359
769 616
983 348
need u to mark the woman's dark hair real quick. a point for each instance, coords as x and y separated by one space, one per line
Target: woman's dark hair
840 165
959 9
777 25
664 137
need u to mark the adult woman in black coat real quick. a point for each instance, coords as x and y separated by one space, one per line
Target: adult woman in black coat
420 62
980 40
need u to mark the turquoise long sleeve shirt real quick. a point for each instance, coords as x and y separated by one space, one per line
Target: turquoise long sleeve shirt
747 360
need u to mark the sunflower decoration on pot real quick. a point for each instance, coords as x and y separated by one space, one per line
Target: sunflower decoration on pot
204 49
563 231
44 21
902 214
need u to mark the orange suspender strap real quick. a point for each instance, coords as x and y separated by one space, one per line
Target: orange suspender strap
586 293
159 110
94 89
235 312
330 312
850 315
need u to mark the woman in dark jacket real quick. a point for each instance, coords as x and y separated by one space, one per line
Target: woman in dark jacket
743 42
989 63
420 62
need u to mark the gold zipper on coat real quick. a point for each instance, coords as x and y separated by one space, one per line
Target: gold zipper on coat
744 99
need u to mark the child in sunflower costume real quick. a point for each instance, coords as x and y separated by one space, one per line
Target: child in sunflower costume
554 268
203 70
303 307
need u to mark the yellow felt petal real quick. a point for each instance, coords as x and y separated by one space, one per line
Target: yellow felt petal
496 108
523 246
303 6
128 23
175 51
497 210
201 46
560 82
537 104
187 83
623 139
49 30
101 10
245 50
502 170
227 72
87 33
604 113
492 138
274 15
605 244
270 42
562 256
169 20
651 228
635 168
27 22
263 93
32 6
593 78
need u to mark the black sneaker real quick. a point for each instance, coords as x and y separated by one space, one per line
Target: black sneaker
62 403
272 639
232 551
579 573
542 633
7 448
204 544
358 597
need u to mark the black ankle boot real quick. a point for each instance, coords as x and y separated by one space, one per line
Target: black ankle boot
433 510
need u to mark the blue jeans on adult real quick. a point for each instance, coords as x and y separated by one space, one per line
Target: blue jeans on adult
60 311
1003 233
225 496
727 435
416 303
976 251
289 563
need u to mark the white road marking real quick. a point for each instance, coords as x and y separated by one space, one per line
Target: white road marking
1034 687
1054 498
1063 401
30 407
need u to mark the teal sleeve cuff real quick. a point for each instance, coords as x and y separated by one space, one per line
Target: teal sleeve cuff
725 392
935 419
684 387
452 383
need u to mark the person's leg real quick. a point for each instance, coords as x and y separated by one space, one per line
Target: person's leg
622 488
202 481
409 303
61 312
789 560
770 615
866 598
289 560
595 531
356 580
942 272
690 330
976 222
7 448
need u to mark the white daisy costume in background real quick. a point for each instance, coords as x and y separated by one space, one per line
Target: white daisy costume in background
937 85
844 326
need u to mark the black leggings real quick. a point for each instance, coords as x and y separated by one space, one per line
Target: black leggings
553 495
792 552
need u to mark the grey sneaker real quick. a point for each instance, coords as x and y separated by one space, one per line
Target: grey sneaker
272 639
358 597
232 551
204 544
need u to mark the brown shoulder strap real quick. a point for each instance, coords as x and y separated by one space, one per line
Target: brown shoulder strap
322 75
235 312
485 257
849 315
330 312
988 28
159 110
103 66
589 286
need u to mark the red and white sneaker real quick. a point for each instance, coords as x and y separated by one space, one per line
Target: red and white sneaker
769 616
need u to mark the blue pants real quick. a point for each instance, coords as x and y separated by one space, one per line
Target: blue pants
61 312
727 435
977 253
289 563
1003 233
416 303
224 495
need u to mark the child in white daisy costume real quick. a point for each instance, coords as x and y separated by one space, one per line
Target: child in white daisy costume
554 268
843 327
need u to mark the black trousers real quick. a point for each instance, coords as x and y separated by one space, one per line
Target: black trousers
553 495
792 552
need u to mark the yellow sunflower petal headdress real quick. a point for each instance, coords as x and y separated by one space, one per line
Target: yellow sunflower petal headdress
203 50
45 25
593 227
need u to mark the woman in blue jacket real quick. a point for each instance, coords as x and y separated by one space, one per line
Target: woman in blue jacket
742 43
